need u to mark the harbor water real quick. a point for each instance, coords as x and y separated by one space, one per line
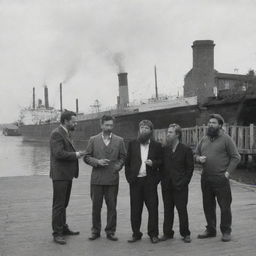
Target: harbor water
18 158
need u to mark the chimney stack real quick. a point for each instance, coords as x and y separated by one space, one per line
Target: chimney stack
46 99
60 97
34 99
203 54
199 81
77 109
40 103
123 90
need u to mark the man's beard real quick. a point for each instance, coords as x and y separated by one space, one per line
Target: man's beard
144 137
169 142
107 132
72 128
213 132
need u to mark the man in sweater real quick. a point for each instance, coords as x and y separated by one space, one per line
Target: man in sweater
106 154
176 173
219 157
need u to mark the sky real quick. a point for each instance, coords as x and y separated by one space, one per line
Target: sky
85 43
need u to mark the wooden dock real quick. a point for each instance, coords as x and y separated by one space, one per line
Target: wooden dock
25 222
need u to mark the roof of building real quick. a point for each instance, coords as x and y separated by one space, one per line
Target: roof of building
234 76
229 99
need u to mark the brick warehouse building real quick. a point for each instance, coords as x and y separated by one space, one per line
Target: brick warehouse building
233 95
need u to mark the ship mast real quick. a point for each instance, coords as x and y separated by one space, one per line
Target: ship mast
96 106
156 89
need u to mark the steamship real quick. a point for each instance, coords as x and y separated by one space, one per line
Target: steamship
205 91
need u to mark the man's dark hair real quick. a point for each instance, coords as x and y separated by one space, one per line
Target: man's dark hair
66 115
177 130
147 123
106 118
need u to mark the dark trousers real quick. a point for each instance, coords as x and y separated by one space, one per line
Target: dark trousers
143 191
61 195
179 199
212 188
109 193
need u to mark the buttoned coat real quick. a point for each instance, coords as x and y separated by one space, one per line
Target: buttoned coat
115 152
63 159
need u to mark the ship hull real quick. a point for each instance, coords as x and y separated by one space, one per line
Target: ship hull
126 125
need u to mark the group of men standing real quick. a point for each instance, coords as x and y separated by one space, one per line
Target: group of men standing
146 164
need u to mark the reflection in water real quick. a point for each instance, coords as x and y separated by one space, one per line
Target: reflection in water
18 158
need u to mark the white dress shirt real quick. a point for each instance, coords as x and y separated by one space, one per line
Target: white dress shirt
106 139
144 156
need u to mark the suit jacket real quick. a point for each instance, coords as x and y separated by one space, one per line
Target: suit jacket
177 166
63 159
133 161
115 152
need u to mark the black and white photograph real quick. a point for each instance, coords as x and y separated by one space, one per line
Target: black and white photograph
127 127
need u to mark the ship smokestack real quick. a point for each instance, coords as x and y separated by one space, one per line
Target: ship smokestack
60 97
77 109
46 99
39 103
34 99
123 90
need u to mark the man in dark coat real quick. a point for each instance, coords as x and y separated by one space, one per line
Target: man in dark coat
176 172
63 168
106 154
142 173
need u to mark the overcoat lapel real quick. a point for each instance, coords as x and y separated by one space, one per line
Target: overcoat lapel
138 150
150 149
65 136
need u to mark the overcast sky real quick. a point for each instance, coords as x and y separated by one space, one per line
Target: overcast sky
81 42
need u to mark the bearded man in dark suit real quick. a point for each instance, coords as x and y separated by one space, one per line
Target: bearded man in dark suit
142 173
63 168
176 173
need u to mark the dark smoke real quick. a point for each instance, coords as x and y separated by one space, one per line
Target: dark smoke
119 61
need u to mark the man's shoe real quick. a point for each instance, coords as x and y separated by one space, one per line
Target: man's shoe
94 236
187 239
164 238
134 239
69 232
154 239
206 234
226 237
112 237
59 240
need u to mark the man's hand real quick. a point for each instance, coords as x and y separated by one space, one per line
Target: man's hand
103 162
148 162
81 154
201 159
227 175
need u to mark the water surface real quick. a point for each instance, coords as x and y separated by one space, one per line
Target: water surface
18 158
